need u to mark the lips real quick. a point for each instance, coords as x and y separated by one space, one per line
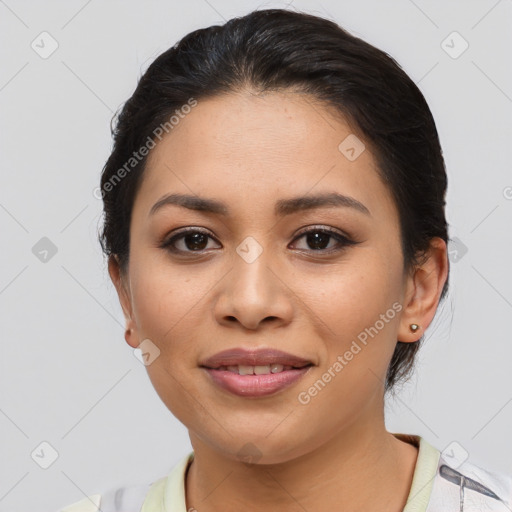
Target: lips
255 357
255 373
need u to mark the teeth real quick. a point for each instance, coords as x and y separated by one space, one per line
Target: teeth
256 370
245 370
276 368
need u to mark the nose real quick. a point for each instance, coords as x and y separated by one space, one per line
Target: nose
253 294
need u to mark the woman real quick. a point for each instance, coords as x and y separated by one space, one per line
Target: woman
275 228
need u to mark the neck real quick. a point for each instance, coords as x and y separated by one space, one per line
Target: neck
359 468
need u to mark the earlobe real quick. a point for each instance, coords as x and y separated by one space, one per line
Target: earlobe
424 286
410 333
414 327
130 338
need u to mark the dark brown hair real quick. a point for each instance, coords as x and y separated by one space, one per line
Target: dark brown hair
277 49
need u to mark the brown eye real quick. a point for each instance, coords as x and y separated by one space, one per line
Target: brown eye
324 240
195 241
188 241
318 239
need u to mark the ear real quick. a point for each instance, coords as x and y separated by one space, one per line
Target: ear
423 291
123 292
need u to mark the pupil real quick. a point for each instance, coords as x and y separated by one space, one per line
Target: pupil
316 240
199 241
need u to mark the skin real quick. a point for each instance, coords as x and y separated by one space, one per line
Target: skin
249 151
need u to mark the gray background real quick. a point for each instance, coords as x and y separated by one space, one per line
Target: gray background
67 375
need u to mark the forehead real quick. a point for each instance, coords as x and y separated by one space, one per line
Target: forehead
277 127
261 146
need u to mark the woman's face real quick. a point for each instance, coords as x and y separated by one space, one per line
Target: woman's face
247 276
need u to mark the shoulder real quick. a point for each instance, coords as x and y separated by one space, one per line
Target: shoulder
129 498
469 486
142 497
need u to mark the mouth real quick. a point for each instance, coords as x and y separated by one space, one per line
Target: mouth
255 373
266 369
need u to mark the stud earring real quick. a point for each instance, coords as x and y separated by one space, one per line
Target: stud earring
414 327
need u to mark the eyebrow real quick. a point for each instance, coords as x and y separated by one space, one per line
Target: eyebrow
282 207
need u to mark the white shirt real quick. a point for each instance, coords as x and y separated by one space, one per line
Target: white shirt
442 482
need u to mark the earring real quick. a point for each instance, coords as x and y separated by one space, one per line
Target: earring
414 327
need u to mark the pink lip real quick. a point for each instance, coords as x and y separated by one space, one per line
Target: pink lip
256 385
255 357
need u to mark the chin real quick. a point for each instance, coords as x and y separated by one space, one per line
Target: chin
262 448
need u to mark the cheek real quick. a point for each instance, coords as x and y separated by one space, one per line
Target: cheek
355 312
166 297
357 336
167 307
350 297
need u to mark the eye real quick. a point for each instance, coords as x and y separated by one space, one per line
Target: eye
188 240
319 240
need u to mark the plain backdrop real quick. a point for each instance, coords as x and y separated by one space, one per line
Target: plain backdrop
68 378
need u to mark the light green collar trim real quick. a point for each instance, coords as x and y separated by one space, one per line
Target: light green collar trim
168 493
424 475
174 499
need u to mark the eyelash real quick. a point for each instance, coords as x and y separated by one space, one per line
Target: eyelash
342 240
